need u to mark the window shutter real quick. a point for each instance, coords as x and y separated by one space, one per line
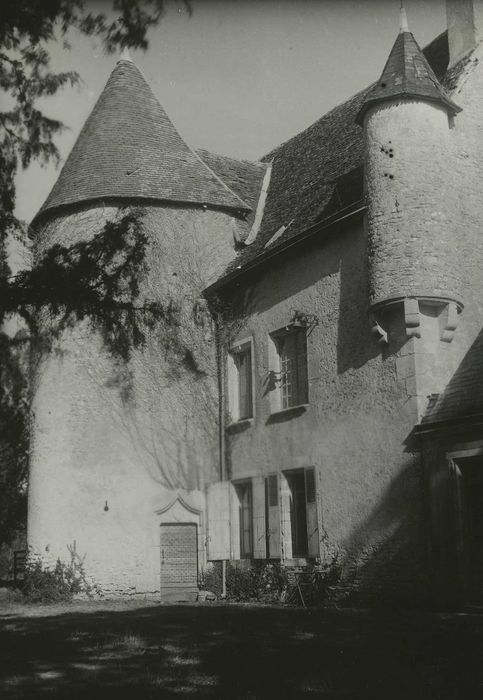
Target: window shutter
311 510
218 497
272 490
259 528
310 485
273 517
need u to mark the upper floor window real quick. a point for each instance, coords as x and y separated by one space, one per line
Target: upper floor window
240 382
291 351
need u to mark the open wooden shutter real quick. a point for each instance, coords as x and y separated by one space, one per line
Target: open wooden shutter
259 528
311 509
218 497
273 516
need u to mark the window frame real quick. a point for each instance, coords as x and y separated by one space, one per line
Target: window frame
234 407
302 509
241 487
279 403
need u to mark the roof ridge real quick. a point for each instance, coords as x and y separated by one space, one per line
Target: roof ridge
235 160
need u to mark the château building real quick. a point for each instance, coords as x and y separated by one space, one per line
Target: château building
315 395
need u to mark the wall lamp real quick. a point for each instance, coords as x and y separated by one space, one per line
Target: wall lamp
303 320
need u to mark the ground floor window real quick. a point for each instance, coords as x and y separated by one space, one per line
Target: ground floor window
244 492
303 514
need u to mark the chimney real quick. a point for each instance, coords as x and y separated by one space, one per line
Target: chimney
465 27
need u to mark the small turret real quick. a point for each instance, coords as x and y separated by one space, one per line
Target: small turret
414 279
406 117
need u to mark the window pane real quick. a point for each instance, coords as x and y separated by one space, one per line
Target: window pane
246 536
298 513
243 361
292 350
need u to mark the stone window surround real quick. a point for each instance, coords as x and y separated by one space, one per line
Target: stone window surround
233 389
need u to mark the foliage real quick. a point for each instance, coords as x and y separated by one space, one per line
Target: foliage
271 582
42 584
257 581
94 279
14 435
261 581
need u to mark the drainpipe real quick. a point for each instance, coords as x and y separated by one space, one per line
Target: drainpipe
221 422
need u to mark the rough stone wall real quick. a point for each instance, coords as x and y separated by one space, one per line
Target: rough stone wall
94 446
411 224
356 431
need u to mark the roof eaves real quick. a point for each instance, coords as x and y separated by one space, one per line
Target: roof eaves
406 95
431 426
326 225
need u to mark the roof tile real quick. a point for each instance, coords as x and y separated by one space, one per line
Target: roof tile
129 148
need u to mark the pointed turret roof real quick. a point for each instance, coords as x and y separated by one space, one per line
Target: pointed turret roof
406 75
129 148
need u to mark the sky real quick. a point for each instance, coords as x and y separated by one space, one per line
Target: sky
238 77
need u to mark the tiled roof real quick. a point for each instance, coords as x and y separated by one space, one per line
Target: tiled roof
129 148
407 73
463 396
318 172
243 177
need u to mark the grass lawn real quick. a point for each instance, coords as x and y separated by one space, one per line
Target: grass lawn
113 650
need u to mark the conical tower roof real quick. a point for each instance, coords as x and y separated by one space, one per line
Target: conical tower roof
129 148
406 75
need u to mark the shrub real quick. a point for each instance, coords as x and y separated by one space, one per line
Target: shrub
42 584
261 581
211 579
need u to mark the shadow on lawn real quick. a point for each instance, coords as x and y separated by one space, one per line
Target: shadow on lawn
240 652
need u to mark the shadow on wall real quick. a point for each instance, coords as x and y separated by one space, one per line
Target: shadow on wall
384 560
356 344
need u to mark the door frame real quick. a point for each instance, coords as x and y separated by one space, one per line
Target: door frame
180 524
179 511
457 517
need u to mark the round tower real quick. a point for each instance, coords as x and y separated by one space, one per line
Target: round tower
407 118
121 453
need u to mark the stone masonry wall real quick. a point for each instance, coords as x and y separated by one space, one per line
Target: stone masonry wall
411 224
356 430
106 465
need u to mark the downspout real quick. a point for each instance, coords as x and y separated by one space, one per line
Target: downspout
220 358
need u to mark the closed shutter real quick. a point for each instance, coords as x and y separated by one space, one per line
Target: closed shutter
219 520
311 510
273 516
259 529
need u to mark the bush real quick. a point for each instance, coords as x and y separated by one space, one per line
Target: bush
272 583
42 584
261 581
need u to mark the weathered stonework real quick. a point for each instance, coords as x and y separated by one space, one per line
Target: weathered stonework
391 307
103 467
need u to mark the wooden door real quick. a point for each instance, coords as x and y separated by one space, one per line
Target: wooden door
179 561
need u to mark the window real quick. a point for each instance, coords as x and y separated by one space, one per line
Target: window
272 517
244 491
291 349
240 381
303 512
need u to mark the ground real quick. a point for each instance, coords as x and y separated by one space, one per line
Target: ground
142 650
